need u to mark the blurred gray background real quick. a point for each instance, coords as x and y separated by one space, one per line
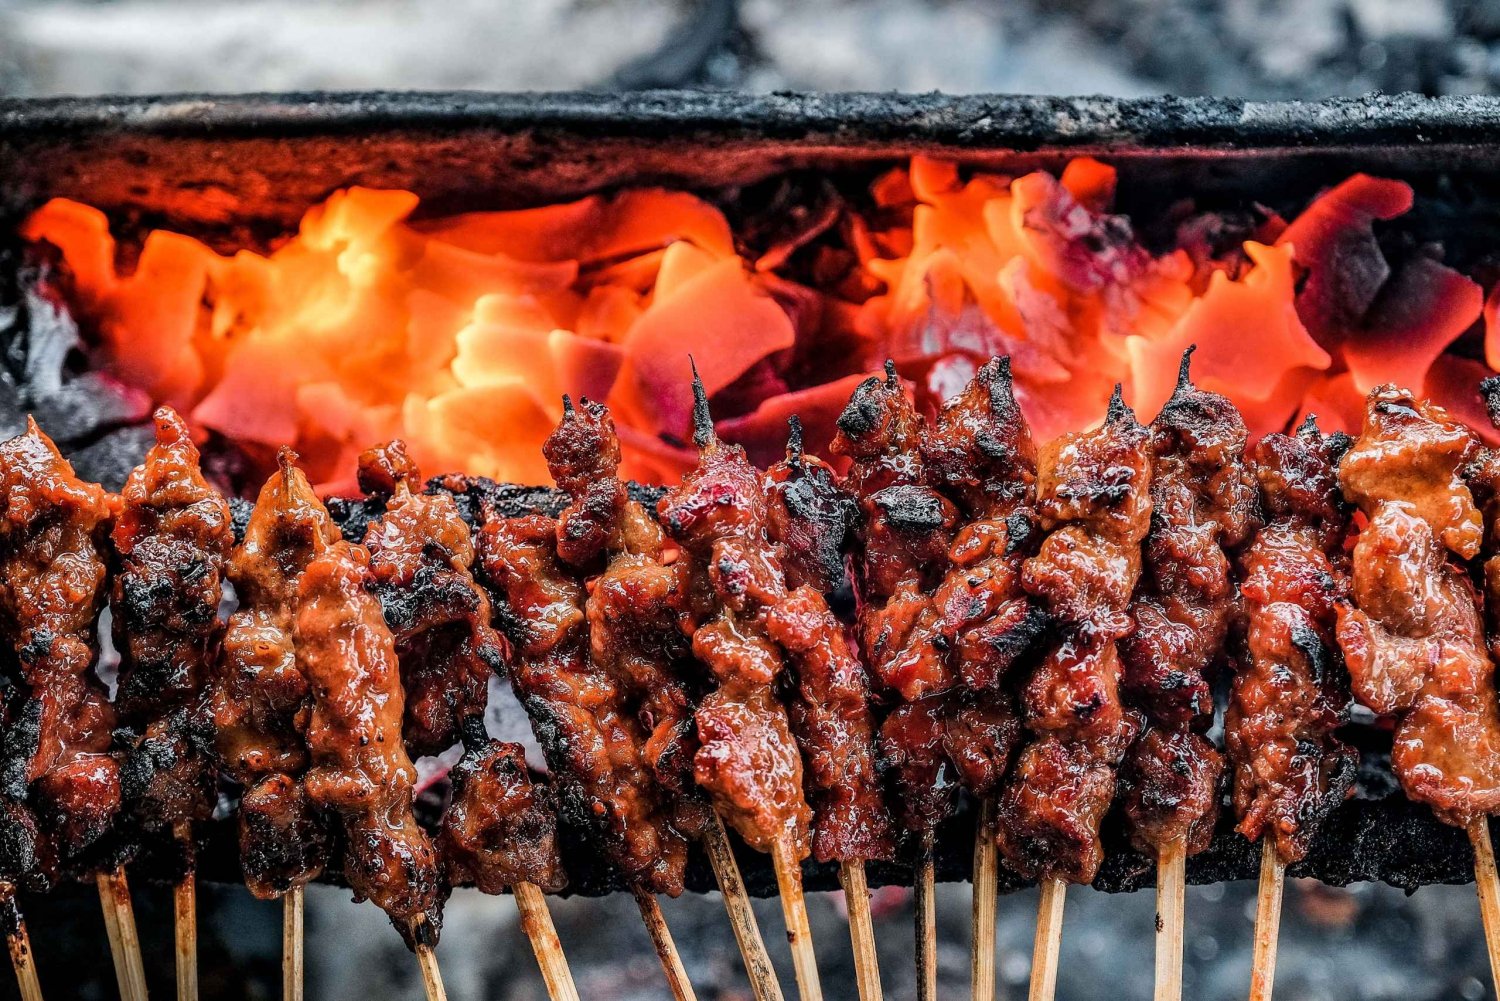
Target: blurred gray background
1366 942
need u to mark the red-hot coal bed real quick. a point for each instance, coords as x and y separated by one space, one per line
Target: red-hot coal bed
460 334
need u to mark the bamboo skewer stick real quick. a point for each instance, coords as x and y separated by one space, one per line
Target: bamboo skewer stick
861 930
1049 918
124 941
1267 921
925 904
762 975
1488 885
432 977
536 922
666 949
1171 881
982 948
19 944
798 931
185 907
291 944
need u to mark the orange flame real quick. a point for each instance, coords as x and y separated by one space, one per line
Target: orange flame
461 334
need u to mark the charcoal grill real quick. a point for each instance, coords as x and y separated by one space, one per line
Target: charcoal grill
241 170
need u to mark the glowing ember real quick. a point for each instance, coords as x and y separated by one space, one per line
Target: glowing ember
460 335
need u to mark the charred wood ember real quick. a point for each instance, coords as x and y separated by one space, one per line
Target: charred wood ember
1203 505
58 719
501 828
592 742
634 605
261 699
731 570
1291 691
359 764
908 527
1093 492
172 543
828 704
421 562
1413 638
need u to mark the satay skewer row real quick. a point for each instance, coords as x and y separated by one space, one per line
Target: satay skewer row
1414 638
1289 692
635 607
1203 508
578 703
172 542
261 703
981 456
54 567
421 566
747 760
907 527
811 518
1093 493
359 768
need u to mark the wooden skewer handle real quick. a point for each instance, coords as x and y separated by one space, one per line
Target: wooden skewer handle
1488 885
124 940
762 975
1267 921
184 903
536 922
432 977
1171 880
798 930
982 947
1049 918
666 949
861 930
924 904
291 944
19 944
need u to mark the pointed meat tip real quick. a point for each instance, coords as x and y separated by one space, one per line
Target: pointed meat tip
1309 426
568 410
995 376
794 439
1185 370
286 459
891 379
703 420
1117 410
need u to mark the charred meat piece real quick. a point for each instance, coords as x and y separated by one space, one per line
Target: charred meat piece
981 454
730 568
261 698
1203 505
172 543
421 561
59 722
592 743
829 702
359 764
1093 492
812 518
981 622
908 528
1290 690
501 828
634 606
1413 639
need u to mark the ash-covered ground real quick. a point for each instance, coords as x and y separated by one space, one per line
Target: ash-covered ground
1365 942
